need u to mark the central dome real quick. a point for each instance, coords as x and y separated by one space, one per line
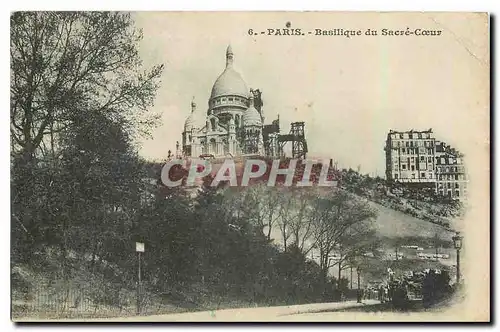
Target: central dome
230 82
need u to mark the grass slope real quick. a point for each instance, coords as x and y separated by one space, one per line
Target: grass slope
392 223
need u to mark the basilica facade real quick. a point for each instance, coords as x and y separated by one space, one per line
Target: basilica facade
233 123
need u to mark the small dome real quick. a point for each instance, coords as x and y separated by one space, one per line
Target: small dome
194 119
230 81
251 117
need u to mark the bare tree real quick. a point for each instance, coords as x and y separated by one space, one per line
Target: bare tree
341 225
298 216
264 206
285 220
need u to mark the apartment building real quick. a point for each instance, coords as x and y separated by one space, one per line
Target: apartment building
410 156
416 158
451 177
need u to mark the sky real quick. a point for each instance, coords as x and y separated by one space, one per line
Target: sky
349 91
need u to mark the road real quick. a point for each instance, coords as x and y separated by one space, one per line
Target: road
305 312
279 313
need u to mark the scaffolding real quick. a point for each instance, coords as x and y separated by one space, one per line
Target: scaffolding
297 138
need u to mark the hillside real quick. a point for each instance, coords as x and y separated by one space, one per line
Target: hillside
392 223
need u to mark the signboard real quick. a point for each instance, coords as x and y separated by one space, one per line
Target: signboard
139 247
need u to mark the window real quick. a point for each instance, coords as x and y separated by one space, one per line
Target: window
403 167
413 168
400 135
419 135
396 176
430 175
448 185
457 186
230 99
413 176
407 144
456 176
457 193
422 175
422 159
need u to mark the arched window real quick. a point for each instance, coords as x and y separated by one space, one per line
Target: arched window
213 146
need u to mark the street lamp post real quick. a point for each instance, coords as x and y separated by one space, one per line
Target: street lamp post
457 243
139 247
358 270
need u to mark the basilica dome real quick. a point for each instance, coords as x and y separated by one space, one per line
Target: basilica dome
230 82
251 117
194 119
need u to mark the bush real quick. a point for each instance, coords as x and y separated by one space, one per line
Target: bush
400 300
436 287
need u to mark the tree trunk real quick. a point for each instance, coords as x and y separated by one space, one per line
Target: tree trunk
340 269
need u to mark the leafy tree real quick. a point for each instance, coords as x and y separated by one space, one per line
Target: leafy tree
79 96
64 63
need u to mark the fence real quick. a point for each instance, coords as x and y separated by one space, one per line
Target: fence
98 302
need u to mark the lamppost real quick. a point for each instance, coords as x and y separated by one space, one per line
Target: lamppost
457 243
139 247
358 270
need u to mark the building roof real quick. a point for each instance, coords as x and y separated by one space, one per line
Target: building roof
230 82
410 131
251 117
194 120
